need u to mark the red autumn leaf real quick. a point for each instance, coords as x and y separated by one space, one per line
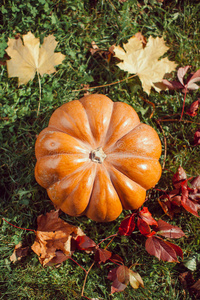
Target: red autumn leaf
85 243
121 276
117 286
116 258
197 138
127 225
168 230
176 248
147 217
190 81
192 111
179 178
195 183
102 255
143 227
161 249
191 207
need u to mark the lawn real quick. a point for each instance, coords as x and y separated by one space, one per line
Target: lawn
75 25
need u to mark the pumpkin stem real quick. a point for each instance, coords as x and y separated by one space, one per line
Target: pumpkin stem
97 155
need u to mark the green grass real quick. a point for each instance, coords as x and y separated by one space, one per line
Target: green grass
75 25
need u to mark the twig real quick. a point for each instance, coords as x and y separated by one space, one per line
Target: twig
87 272
104 85
40 93
165 143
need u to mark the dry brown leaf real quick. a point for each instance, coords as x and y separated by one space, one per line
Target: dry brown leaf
19 252
53 238
28 57
143 61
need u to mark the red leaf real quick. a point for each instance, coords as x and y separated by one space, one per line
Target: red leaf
161 249
179 178
176 248
181 73
85 243
123 274
191 207
147 217
102 255
168 230
191 85
116 258
127 225
197 138
195 183
192 111
117 286
143 227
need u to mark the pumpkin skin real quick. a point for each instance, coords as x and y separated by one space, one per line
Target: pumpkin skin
95 158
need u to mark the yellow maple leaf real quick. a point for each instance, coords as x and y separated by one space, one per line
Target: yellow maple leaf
143 61
28 57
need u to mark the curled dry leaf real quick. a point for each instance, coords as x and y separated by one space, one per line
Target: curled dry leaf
144 61
53 238
19 252
28 57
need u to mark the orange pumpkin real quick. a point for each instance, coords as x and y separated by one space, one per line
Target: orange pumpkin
95 158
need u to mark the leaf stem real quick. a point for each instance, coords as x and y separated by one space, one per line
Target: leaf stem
19 227
40 93
183 103
104 85
108 237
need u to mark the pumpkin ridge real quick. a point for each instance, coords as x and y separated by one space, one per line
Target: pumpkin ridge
73 173
62 204
114 166
72 120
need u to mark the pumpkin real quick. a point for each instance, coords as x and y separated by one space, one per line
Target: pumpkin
96 158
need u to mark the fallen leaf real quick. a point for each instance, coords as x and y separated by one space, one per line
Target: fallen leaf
147 217
127 225
161 249
197 138
19 252
190 81
144 61
179 178
143 227
168 230
53 235
102 255
121 276
192 111
85 243
29 57
135 279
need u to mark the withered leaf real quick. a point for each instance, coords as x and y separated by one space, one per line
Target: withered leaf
144 61
28 57
53 235
19 252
